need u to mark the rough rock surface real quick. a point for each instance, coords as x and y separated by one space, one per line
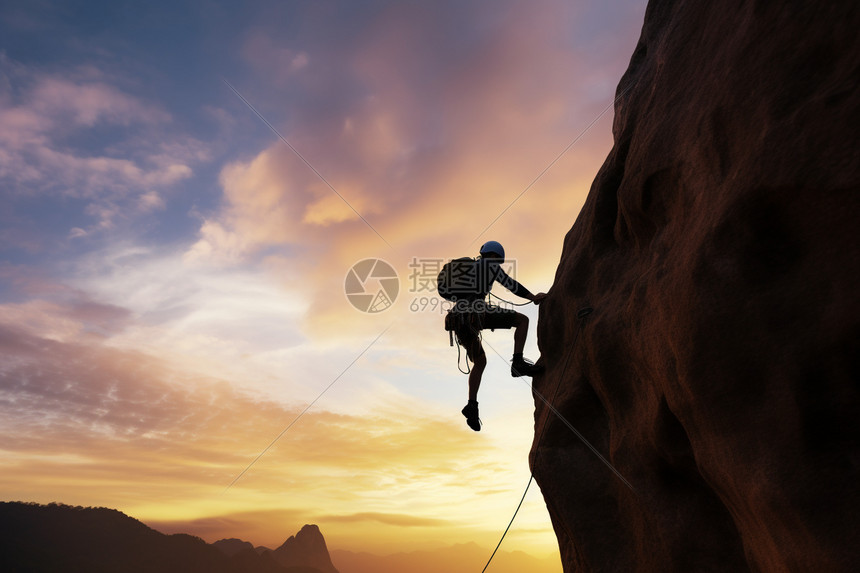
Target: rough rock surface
720 369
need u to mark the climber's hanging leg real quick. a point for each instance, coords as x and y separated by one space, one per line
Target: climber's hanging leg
475 353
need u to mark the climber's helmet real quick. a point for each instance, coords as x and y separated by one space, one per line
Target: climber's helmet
492 249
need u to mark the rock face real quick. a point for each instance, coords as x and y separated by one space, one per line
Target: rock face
720 369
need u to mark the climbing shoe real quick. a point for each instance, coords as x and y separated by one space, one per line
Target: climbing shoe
522 367
471 413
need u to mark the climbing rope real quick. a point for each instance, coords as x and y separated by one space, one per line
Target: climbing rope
509 302
510 523
581 315
460 316
468 369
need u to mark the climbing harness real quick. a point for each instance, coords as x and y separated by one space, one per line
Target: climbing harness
468 369
464 315
457 317
582 314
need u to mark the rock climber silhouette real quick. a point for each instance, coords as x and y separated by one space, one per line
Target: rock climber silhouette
471 314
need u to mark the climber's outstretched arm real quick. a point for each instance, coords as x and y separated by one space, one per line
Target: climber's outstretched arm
516 288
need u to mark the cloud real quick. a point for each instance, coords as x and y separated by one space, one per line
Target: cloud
151 200
399 520
88 102
430 145
74 135
262 52
89 422
257 525
58 312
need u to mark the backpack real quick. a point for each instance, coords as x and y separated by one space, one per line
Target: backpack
458 280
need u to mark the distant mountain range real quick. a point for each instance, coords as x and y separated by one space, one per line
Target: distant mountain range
59 538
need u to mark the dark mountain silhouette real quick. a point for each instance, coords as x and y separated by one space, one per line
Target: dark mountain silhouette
233 546
246 557
60 538
307 548
262 562
718 247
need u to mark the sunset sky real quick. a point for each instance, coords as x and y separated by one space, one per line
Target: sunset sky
172 273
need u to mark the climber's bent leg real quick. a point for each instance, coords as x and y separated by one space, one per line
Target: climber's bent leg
521 331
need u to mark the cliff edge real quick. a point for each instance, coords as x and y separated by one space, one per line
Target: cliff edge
719 371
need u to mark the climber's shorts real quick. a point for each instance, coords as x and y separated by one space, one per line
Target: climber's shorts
496 317
467 325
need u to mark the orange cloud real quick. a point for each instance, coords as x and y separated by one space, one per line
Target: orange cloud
429 168
93 425
399 520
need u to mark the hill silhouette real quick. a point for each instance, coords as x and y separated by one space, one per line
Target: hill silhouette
55 538
306 548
